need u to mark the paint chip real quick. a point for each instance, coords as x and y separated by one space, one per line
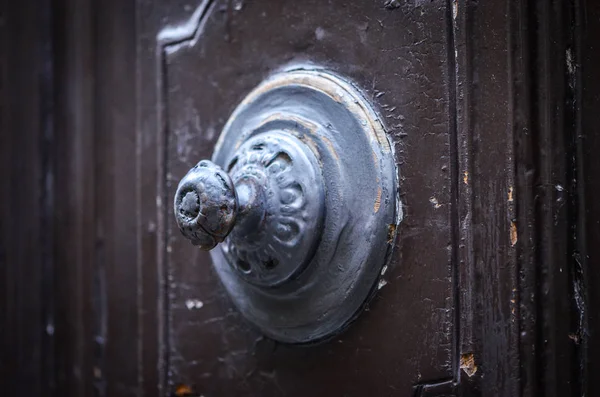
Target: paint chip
466 177
435 202
467 364
194 304
391 233
382 283
183 390
391 4
319 33
454 9
570 63
377 201
510 194
513 234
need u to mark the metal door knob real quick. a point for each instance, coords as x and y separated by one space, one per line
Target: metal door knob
270 202
206 205
301 192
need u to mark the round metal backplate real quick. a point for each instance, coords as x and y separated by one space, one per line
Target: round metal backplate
345 136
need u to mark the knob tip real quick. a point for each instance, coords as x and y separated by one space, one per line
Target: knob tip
205 205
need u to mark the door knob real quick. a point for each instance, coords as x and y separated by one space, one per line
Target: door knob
298 205
206 205
270 202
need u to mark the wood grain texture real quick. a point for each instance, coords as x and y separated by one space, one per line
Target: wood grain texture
488 335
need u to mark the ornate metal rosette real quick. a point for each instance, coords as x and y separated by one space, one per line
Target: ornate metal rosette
293 199
315 254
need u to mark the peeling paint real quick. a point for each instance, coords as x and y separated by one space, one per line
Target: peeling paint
510 194
183 390
466 177
377 201
570 63
174 37
391 233
391 4
513 234
467 364
435 203
238 5
454 9
194 304
319 33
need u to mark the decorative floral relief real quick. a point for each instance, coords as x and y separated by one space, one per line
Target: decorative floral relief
286 208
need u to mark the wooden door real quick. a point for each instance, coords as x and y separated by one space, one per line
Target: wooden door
490 291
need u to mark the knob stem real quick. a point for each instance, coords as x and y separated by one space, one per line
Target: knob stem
251 205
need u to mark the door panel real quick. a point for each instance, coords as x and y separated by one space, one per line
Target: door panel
399 59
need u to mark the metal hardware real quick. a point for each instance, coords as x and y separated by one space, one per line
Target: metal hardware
307 210
271 203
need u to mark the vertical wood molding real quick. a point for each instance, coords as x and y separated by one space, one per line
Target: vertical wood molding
75 245
26 198
524 308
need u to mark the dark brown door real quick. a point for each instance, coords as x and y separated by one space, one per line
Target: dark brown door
491 109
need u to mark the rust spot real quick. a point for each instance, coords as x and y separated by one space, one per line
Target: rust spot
391 233
466 177
183 390
510 194
377 200
467 364
513 234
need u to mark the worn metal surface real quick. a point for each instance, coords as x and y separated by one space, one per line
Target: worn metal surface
311 201
206 205
299 264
